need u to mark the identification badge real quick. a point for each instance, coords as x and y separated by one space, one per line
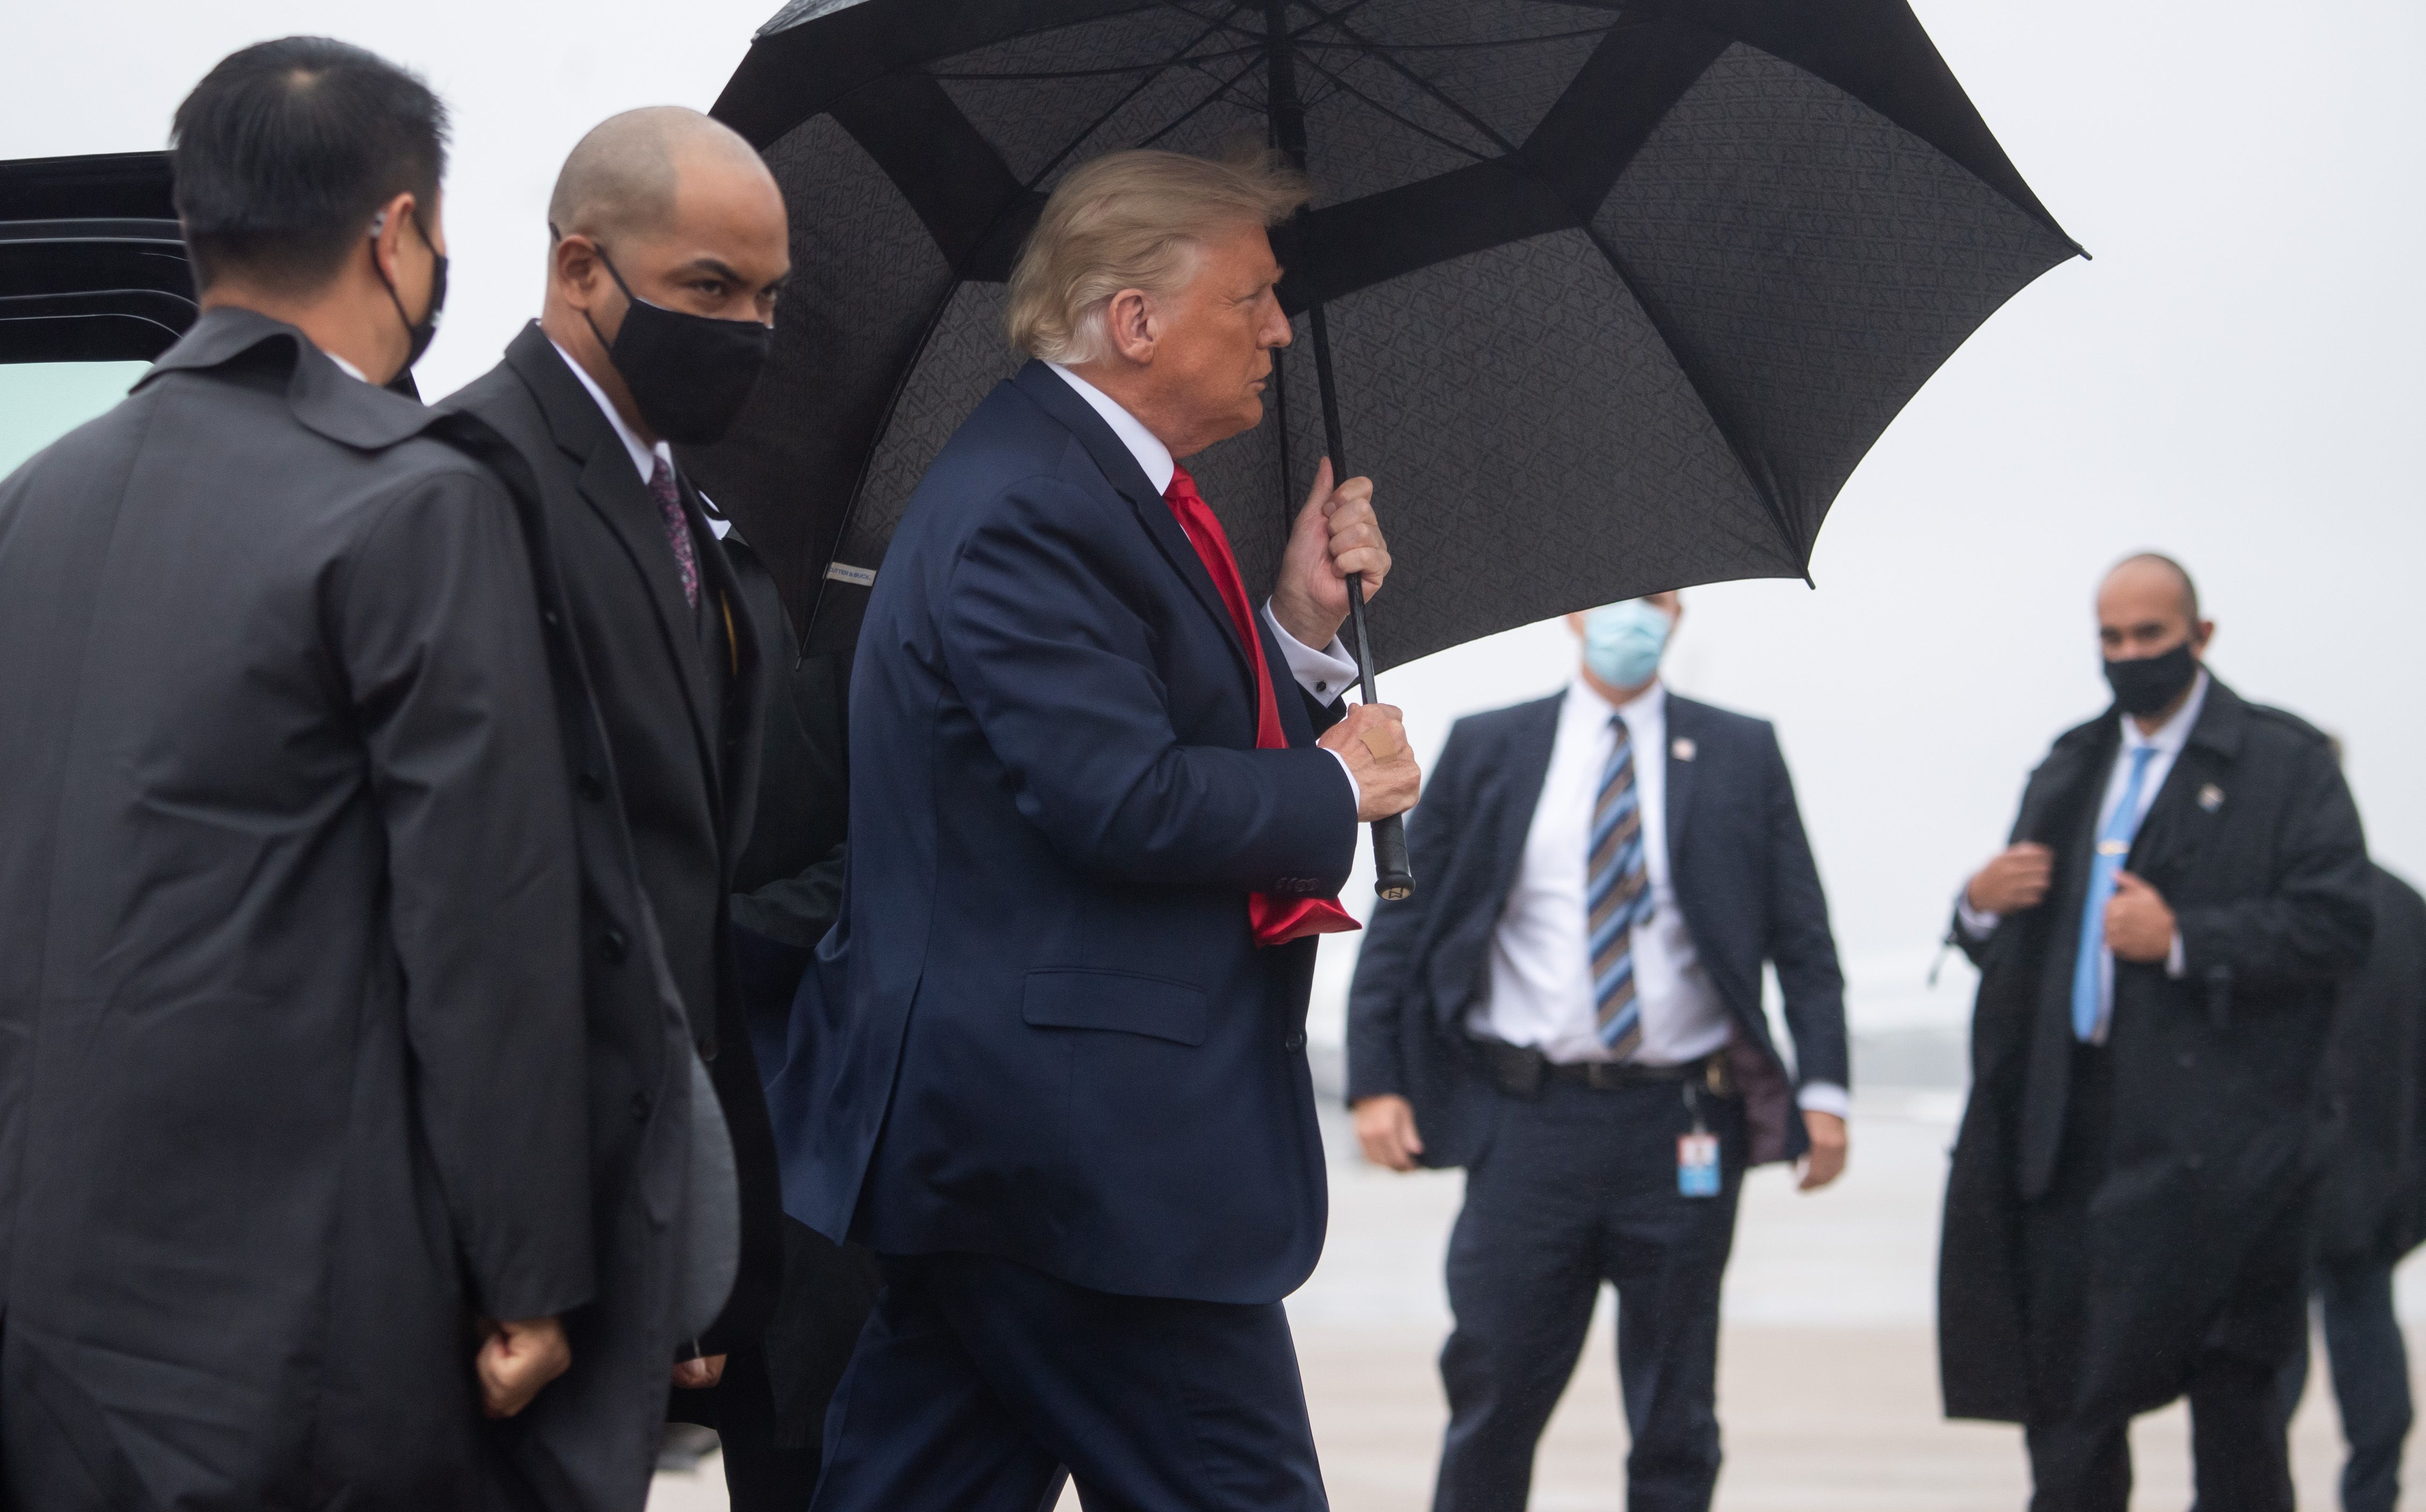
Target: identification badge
1698 1165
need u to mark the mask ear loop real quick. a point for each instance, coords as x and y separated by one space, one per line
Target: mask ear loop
630 298
412 332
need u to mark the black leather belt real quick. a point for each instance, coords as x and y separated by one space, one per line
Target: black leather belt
1520 1070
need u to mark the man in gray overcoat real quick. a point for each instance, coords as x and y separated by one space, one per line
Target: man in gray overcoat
293 1142
2159 949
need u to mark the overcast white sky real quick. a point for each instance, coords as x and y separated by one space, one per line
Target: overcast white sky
2234 380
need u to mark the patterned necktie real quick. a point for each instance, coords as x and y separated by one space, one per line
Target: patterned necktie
1617 897
2113 849
661 486
1274 920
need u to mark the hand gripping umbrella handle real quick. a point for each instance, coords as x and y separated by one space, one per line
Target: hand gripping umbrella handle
1393 879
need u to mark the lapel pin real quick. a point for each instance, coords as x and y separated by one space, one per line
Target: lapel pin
2210 798
1682 748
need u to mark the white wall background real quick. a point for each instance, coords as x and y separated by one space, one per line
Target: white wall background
2234 380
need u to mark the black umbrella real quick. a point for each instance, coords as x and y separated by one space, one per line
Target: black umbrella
1610 298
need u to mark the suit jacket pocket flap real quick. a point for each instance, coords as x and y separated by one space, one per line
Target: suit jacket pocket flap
1115 999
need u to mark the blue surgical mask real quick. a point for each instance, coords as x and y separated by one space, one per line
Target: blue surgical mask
1623 642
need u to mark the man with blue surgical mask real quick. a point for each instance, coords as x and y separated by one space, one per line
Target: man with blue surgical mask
1571 1009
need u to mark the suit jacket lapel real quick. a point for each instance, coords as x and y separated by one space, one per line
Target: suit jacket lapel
1120 468
612 489
2180 822
1519 791
731 627
1682 773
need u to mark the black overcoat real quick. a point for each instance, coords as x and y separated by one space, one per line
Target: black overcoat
679 694
288 949
2253 842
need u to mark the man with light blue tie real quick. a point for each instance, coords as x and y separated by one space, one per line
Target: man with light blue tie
2158 947
1570 1008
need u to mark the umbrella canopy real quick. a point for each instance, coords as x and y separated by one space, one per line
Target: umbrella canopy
1617 294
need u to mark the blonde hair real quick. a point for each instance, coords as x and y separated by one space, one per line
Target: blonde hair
1132 220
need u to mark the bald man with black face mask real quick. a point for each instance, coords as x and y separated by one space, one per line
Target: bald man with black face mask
668 248
2159 948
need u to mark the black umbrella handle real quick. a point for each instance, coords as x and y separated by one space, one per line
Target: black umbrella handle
1393 878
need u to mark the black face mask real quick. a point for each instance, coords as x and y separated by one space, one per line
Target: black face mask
417 334
690 375
2148 683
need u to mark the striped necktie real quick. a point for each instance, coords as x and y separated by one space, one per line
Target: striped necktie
1617 897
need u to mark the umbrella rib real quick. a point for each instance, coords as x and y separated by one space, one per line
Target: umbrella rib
1465 47
1148 69
1157 71
1694 379
1345 88
1382 55
1192 111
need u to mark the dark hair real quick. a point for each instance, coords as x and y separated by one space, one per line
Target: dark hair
287 150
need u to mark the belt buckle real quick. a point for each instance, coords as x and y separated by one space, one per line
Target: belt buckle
1722 1081
1603 1075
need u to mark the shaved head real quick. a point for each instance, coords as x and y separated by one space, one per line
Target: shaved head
2146 568
621 180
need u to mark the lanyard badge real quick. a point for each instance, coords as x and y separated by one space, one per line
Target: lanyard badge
1697 1153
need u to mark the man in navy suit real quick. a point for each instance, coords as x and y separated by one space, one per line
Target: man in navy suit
1063 1090
1571 1009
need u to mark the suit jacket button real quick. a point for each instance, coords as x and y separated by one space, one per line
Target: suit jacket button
614 947
2186 1061
641 1106
1295 1042
2195 1161
707 1049
591 786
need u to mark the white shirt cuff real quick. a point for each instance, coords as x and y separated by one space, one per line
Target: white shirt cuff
2175 967
1326 673
1976 925
1824 1097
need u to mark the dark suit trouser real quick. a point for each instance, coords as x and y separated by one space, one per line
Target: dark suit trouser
978 1378
1578 1188
2079 1464
2370 1370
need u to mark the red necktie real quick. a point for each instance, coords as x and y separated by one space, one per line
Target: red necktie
1276 920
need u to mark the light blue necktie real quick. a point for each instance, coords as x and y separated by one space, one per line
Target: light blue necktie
2113 849
1617 896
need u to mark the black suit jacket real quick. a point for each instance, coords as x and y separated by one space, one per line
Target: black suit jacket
679 697
1744 876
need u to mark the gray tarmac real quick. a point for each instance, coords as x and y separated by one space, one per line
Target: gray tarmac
1827 1377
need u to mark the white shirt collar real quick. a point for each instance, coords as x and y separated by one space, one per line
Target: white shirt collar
645 458
1585 701
347 368
1153 457
2171 736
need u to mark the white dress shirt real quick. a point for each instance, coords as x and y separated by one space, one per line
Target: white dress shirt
347 368
1324 673
644 456
1541 955
2166 741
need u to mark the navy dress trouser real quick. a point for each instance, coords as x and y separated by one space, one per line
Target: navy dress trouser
2370 1373
978 1379
1578 1188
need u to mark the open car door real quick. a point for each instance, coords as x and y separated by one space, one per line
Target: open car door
91 267
93 285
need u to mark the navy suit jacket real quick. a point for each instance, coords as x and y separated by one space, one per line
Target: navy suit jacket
1043 1029
1744 880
